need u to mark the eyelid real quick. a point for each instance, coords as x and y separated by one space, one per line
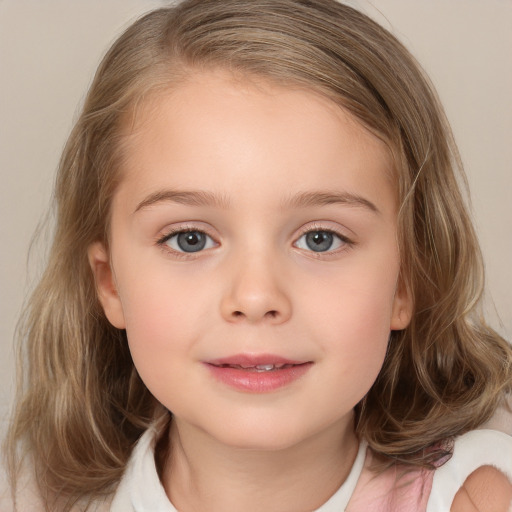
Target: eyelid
311 227
320 226
162 240
328 226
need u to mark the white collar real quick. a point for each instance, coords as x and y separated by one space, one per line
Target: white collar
140 489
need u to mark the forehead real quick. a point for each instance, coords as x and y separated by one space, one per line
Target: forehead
214 130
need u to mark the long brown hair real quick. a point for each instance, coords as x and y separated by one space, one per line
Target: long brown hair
81 405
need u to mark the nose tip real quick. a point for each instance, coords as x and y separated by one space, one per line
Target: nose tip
255 296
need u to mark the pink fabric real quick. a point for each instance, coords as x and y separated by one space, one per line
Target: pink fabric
398 489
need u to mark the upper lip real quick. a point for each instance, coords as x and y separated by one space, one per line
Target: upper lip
250 360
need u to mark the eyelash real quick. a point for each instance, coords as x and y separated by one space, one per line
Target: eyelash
162 241
347 242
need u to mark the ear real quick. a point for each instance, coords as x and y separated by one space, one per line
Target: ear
105 284
402 307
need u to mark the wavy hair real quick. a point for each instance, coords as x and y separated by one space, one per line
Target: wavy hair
81 405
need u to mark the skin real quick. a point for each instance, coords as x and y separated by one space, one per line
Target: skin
257 287
486 490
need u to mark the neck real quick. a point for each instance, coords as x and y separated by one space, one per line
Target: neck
203 474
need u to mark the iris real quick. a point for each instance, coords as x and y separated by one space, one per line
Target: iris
319 241
191 241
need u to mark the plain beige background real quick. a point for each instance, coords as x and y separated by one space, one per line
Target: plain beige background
49 50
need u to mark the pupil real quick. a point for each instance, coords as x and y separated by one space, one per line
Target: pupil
191 241
319 241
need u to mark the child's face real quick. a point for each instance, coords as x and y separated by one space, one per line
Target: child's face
291 256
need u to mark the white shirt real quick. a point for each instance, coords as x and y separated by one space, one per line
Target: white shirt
140 489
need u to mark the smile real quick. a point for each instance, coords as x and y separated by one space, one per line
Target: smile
257 368
257 374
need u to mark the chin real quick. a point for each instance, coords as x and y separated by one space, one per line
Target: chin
265 443
264 436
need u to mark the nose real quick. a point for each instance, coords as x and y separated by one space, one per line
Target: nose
254 293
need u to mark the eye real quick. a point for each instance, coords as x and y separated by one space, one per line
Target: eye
188 241
321 241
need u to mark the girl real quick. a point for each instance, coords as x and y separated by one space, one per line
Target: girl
264 285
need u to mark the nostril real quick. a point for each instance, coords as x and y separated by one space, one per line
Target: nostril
272 314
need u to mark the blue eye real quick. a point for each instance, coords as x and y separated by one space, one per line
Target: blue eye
188 241
320 241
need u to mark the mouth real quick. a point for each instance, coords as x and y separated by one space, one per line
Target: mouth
257 374
256 362
269 367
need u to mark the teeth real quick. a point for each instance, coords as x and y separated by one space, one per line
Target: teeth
265 367
259 368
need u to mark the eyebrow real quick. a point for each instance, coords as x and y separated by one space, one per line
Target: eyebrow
325 198
186 197
300 200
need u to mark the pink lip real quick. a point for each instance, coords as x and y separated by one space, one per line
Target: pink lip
239 372
253 360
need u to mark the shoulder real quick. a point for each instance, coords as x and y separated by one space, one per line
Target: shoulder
478 477
487 489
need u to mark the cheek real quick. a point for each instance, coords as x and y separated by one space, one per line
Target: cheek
359 333
351 314
354 302
161 318
356 345
159 335
159 302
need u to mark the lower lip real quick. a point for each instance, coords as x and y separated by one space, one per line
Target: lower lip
258 382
